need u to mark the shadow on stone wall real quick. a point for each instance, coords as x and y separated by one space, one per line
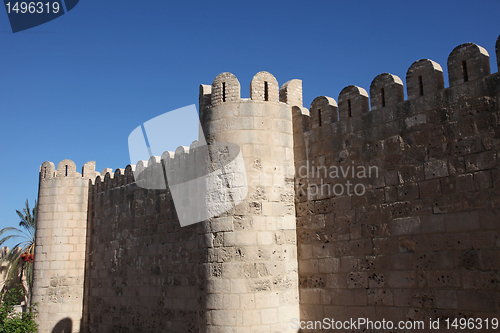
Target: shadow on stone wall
63 326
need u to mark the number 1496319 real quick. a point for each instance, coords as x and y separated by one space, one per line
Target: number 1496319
32 7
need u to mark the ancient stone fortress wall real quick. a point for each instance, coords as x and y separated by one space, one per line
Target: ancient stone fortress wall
111 256
423 239
414 236
145 273
239 270
142 267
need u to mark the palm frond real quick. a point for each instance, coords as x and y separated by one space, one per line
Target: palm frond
8 229
28 217
15 266
3 240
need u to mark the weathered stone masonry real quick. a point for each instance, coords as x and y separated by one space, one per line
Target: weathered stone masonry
423 241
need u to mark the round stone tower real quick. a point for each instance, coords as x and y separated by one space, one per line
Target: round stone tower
61 231
251 279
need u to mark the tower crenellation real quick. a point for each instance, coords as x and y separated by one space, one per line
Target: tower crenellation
291 93
467 62
264 87
385 90
225 88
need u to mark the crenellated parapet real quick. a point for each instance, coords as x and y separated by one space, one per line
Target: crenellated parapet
291 93
67 168
150 174
190 175
263 88
466 64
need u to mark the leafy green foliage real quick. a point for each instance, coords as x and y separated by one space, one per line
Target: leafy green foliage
12 321
19 259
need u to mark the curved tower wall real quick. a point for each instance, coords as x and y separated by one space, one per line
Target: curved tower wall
251 271
60 245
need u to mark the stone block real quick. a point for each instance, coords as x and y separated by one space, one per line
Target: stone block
357 280
401 279
267 300
246 238
329 265
460 222
436 169
405 226
475 300
247 301
430 188
482 179
443 279
402 297
380 297
265 238
481 161
408 191
391 177
465 182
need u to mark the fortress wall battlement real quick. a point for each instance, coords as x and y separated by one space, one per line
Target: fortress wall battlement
66 168
467 63
186 162
468 68
264 87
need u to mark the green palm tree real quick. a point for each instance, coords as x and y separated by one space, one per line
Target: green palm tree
19 260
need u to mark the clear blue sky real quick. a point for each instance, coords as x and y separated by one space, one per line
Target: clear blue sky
77 86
